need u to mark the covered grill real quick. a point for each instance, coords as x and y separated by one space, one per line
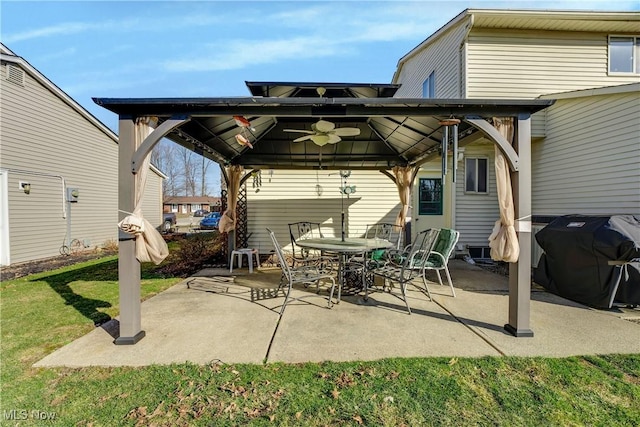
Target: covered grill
594 260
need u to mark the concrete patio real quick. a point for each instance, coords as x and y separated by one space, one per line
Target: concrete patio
215 317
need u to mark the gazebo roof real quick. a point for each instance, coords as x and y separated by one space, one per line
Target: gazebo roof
393 131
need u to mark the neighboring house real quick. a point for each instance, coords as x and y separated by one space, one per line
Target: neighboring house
50 144
585 148
189 204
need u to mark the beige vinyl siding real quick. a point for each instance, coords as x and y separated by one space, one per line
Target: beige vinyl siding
152 199
288 196
590 161
43 138
42 134
526 64
37 226
476 213
444 57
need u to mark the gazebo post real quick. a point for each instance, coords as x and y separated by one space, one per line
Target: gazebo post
520 271
128 266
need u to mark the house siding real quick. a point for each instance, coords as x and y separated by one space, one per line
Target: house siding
152 199
476 213
526 64
443 57
43 139
288 196
589 162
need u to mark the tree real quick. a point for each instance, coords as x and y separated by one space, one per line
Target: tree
188 174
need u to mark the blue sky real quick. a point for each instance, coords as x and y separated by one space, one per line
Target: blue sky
210 48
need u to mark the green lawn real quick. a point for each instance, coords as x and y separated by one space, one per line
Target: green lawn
41 313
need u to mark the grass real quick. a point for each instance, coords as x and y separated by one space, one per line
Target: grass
41 313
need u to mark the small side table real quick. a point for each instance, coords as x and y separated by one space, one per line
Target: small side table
250 253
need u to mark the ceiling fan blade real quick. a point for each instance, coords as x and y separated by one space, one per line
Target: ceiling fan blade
303 138
310 132
333 138
347 131
324 126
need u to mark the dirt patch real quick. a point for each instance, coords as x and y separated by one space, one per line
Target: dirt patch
24 269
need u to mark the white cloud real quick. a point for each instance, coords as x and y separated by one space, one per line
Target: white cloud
237 54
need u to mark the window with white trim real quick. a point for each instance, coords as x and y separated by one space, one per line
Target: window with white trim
476 175
624 54
429 86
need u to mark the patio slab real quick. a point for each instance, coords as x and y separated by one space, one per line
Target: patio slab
215 317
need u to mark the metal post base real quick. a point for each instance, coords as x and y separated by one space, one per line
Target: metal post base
130 340
518 332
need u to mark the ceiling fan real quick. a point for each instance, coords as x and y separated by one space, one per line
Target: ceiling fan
323 132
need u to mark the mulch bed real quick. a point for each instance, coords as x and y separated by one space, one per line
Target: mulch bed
16 271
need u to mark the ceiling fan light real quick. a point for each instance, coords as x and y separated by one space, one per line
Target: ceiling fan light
320 139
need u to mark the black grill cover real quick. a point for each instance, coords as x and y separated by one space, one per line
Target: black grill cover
578 253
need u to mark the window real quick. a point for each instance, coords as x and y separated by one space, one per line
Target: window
430 196
476 175
429 86
624 55
174 208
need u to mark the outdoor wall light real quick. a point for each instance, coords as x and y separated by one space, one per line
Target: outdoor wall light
26 187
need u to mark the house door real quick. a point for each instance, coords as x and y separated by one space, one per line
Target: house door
4 219
432 202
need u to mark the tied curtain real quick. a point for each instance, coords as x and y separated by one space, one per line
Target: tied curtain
228 220
503 241
403 176
150 246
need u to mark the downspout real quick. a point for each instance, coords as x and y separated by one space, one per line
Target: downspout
48 175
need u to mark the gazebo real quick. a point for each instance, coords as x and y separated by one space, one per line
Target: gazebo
396 136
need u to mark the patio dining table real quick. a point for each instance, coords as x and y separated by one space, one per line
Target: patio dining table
344 248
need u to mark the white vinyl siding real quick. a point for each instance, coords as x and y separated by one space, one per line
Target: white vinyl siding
526 64
288 196
475 212
42 134
589 162
444 58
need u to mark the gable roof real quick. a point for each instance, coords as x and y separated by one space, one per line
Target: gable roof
7 55
534 20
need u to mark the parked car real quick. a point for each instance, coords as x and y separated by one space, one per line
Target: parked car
200 212
169 221
210 222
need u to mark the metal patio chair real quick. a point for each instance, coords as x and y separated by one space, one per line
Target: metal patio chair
303 230
306 274
440 254
406 265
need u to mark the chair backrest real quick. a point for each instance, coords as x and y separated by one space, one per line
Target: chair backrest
386 231
446 242
303 230
281 258
417 256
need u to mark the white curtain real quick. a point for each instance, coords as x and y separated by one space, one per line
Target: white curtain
403 176
504 241
150 246
228 219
